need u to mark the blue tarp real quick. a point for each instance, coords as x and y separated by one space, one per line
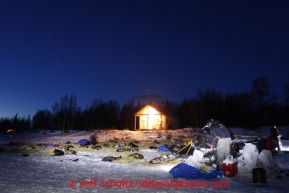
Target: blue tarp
83 141
164 147
184 170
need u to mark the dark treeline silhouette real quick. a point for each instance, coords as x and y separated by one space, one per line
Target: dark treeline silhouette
251 110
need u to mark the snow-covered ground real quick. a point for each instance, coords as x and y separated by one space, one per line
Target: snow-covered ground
38 173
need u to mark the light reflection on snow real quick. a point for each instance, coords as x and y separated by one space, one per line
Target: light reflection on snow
167 168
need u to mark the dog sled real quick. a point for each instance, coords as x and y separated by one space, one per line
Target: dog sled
182 151
207 141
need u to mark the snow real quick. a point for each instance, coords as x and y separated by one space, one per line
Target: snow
37 173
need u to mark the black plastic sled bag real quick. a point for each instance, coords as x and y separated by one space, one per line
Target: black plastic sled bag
259 175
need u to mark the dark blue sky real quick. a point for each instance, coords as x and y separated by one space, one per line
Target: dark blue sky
118 50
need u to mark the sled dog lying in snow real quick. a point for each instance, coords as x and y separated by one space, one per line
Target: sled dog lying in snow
96 147
110 158
131 144
127 149
159 160
58 152
136 155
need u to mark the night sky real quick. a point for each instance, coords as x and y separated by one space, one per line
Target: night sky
121 49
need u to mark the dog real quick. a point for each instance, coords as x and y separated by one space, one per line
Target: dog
111 158
127 149
156 142
131 144
133 149
58 145
96 147
153 147
160 160
58 152
105 145
136 155
121 150
70 152
67 147
115 140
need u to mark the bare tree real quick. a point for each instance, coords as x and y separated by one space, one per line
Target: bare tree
286 92
65 111
42 119
261 97
260 91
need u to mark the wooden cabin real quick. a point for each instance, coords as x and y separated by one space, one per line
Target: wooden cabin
150 118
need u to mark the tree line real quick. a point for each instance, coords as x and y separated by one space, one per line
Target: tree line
255 108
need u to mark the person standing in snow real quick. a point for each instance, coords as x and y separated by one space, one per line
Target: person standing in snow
221 141
275 134
93 139
272 140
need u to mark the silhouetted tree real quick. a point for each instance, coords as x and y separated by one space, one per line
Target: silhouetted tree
239 110
5 124
213 104
112 114
286 92
25 123
42 119
261 93
98 114
73 109
127 115
186 113
65 111
15 122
